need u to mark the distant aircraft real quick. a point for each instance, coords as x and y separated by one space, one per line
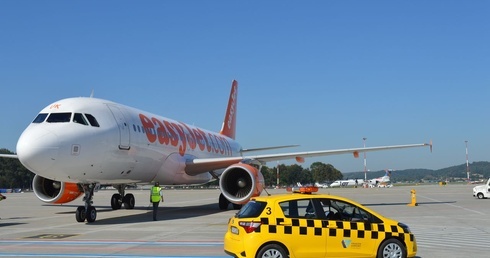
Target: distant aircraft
347 182
75 145
384 181
321 185
375 182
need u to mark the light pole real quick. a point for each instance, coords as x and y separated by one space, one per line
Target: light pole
277 175
365 171
467 164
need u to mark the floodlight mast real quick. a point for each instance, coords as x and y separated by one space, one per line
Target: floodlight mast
365 171
467 164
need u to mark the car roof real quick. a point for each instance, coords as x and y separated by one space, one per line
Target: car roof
298 196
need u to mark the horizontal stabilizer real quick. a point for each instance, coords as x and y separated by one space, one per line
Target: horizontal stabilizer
10 156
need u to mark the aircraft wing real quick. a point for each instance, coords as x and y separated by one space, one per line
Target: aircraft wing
198 166
10 156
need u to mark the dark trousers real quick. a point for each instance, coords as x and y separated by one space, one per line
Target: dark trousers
155 208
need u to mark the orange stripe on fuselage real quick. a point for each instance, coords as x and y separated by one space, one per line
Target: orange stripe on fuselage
182 136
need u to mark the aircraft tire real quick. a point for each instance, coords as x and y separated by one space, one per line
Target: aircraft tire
116 201
91 214
129 201
80 214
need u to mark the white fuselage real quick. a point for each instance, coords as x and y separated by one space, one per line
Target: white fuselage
127 146
345 183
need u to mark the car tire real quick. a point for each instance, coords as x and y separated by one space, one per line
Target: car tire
272 251
392 248
480 196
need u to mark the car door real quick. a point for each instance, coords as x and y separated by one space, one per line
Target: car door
302 229
350 230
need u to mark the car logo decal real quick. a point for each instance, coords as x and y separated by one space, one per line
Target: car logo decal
346 243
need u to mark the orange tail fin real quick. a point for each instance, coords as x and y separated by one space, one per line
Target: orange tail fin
229 123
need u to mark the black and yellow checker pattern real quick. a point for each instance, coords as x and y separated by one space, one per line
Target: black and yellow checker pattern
331 228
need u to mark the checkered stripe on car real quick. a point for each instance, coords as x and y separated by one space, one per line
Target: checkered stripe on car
332 228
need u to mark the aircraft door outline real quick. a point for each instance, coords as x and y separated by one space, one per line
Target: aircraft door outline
124 138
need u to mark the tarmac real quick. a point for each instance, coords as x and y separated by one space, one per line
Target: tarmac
447 222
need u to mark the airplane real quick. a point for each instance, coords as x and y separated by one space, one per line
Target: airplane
375 182
321 185
384 181
347 183
75 145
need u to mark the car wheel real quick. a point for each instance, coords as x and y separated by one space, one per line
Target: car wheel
479 195
392 248
272 251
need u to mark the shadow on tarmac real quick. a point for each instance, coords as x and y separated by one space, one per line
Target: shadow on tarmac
165 213
404 203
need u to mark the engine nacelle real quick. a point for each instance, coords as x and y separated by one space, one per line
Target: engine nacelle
240 182
51 191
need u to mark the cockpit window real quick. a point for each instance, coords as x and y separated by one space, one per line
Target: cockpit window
78 118
59 118
40 118
92 120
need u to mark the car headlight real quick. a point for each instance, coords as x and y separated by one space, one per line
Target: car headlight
405 227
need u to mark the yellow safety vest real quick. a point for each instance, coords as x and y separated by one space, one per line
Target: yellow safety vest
155 194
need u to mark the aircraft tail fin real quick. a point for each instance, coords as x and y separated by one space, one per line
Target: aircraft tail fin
229 123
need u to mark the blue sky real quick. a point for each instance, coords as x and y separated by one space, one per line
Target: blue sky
322 74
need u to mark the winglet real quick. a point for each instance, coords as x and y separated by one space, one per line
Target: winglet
229 123
430 144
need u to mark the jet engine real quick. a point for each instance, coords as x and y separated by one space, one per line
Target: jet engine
240 182
51 191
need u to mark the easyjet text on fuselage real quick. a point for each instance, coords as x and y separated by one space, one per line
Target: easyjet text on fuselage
180 135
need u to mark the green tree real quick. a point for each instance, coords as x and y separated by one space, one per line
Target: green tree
13 174
324 172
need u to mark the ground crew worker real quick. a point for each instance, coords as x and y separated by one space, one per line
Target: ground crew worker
155 198
2 197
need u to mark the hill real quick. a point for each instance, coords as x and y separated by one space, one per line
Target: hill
478 170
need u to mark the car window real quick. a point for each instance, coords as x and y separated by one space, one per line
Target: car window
339 210
299 209
252 209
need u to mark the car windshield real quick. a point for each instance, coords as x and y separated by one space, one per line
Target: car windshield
251 210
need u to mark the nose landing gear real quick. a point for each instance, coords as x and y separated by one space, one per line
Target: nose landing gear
87 212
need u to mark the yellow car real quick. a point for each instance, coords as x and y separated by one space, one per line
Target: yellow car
304 224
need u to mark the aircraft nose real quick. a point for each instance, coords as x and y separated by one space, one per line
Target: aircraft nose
38 149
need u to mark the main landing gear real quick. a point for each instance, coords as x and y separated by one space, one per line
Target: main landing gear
224 203
117 200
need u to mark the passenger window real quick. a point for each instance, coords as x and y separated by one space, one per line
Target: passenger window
92 120
40 118
331 212
79 119
298 209
59 118
348 212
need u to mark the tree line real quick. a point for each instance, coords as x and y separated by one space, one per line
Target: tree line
14 175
